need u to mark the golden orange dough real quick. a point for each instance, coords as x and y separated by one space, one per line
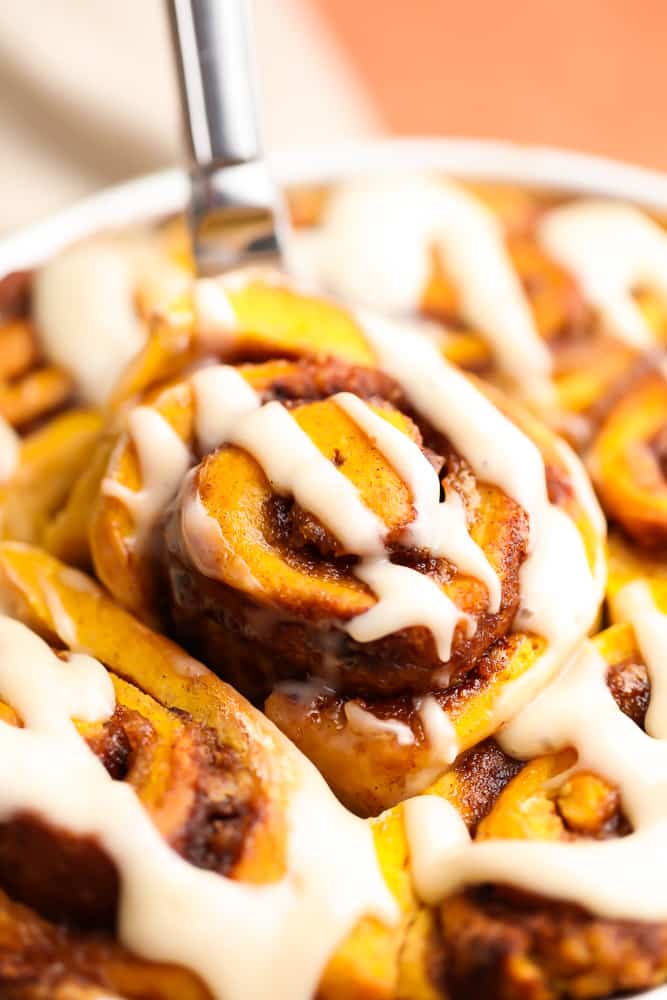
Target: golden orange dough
370 773
271 605
50 460
186 736
30 390
298 574
271 321
627 462
188 742
501 944
317 585
591 369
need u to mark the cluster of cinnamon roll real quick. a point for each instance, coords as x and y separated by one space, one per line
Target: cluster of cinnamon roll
300 688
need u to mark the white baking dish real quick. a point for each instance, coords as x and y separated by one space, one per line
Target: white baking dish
165 192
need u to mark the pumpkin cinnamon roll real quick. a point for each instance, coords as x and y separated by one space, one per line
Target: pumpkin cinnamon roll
536 882
158 836
356 535
562 301
397 564
45 439
67 330
30 387
627 462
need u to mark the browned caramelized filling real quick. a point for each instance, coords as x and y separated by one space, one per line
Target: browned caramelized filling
629 684
206 811
501 944
30 389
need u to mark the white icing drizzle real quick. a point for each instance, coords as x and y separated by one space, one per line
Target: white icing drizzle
9 450
241 939
213 310
429 821
205 542
306 692
228 410
163 460
560 604
63 625
619 878
611 248
84 311
439 527
296 467
442 740
216 321
376 238
559 598
439 731
582 487
367 724
634 604
406 598
222 395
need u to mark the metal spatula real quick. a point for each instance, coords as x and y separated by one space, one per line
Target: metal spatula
235 213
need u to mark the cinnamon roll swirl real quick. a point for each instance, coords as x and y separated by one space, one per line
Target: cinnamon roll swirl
67 330
524 928
400 565
361 532
561 300
130 769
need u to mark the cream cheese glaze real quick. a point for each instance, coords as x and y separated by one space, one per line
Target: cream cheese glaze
374 249
163 460
634 604
617 878
368 724
612 249
559 595
560 604
439 731
295 467
83 308
241 939
438 526
441 739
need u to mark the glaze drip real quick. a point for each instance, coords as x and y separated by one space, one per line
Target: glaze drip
238 937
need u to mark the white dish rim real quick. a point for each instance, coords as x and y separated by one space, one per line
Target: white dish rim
164 192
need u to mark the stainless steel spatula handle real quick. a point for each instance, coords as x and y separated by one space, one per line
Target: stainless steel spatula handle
234 209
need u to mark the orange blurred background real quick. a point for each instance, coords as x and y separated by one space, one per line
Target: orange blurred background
88 94
588 74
